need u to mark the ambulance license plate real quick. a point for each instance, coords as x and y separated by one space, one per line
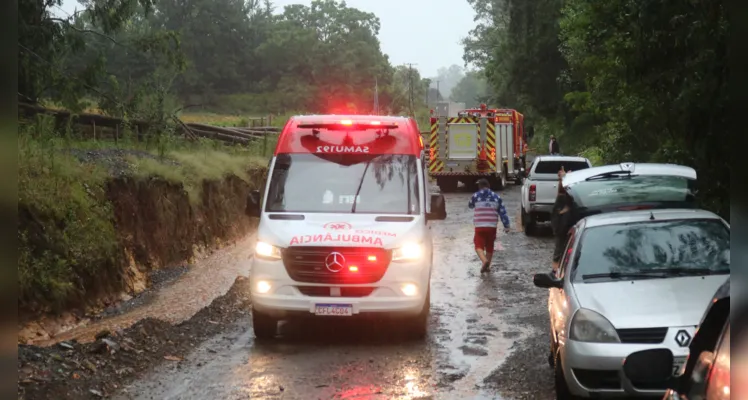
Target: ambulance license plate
335 310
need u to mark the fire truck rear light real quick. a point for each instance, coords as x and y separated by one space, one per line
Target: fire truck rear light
346 122
353 268
372 258
376 123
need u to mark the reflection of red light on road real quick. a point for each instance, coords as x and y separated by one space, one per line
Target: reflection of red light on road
353 268
372 258
360 392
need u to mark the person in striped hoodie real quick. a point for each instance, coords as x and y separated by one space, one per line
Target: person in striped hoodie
488 209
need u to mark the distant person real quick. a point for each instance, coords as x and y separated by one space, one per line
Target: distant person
489 208
553 146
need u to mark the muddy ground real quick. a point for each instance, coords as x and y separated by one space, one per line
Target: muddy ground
487 340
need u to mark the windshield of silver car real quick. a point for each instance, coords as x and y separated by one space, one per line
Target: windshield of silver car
654 249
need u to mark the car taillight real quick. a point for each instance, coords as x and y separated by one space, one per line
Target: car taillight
533 193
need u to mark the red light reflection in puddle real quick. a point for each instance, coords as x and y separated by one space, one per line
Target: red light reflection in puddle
411 390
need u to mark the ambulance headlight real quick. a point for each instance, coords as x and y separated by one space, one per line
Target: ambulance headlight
267 251
408 252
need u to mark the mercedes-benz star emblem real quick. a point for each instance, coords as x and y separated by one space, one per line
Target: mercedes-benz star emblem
682 338
334 261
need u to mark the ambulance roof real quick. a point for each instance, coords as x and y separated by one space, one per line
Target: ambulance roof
355 134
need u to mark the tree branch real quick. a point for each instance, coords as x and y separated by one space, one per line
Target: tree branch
71 26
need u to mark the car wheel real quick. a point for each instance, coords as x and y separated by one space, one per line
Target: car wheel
419 325
264 326
528 223
447 185
562 388
552 353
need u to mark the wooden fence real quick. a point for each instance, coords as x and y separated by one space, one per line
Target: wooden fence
105 127
102 127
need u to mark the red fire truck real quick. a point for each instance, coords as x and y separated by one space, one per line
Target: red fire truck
479 143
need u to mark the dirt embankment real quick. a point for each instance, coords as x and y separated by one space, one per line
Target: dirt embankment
157 226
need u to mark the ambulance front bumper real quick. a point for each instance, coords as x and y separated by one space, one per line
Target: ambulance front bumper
401 291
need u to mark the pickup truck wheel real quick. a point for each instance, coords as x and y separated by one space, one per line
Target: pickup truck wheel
447 184
264 326
528 223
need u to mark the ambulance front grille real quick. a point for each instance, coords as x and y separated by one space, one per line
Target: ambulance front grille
347 265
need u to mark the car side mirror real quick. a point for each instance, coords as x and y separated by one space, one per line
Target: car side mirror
253 204
438 208
547 281
649 366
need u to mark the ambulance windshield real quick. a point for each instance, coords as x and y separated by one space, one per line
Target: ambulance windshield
306 183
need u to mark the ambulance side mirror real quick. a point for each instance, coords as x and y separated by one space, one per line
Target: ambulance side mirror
438 208
253 204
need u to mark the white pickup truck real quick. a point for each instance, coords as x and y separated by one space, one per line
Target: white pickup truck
541 186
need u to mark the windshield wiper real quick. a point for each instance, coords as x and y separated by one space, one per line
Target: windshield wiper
610 174
619 275
690 271
360 184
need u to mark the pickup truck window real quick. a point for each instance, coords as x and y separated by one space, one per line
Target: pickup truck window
552 167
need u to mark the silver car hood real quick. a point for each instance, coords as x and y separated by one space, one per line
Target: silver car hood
650 303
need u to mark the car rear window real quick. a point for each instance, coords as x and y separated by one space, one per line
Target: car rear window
645 246
552 167
637 189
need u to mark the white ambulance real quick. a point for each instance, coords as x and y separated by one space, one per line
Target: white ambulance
344 226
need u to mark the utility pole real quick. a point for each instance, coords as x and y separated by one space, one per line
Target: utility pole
376 97
411 92
438 93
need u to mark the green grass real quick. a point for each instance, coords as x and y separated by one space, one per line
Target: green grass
66 229
197 166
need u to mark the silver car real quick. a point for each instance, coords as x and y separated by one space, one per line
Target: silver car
627 282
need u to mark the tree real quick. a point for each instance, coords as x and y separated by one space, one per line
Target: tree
472 89
625 80
448 77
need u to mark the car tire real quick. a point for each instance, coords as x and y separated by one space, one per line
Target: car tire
419 326
552 352
447 185
528 223
559 380
265 327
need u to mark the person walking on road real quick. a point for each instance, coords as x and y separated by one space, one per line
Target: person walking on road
489 208
553 147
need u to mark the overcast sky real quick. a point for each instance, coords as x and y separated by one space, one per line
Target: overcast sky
426 33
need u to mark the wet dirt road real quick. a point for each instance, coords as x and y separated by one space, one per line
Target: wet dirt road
486 340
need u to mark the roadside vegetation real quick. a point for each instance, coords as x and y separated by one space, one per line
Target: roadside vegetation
615 81
67 234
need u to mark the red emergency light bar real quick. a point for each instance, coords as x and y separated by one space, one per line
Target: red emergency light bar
347 124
